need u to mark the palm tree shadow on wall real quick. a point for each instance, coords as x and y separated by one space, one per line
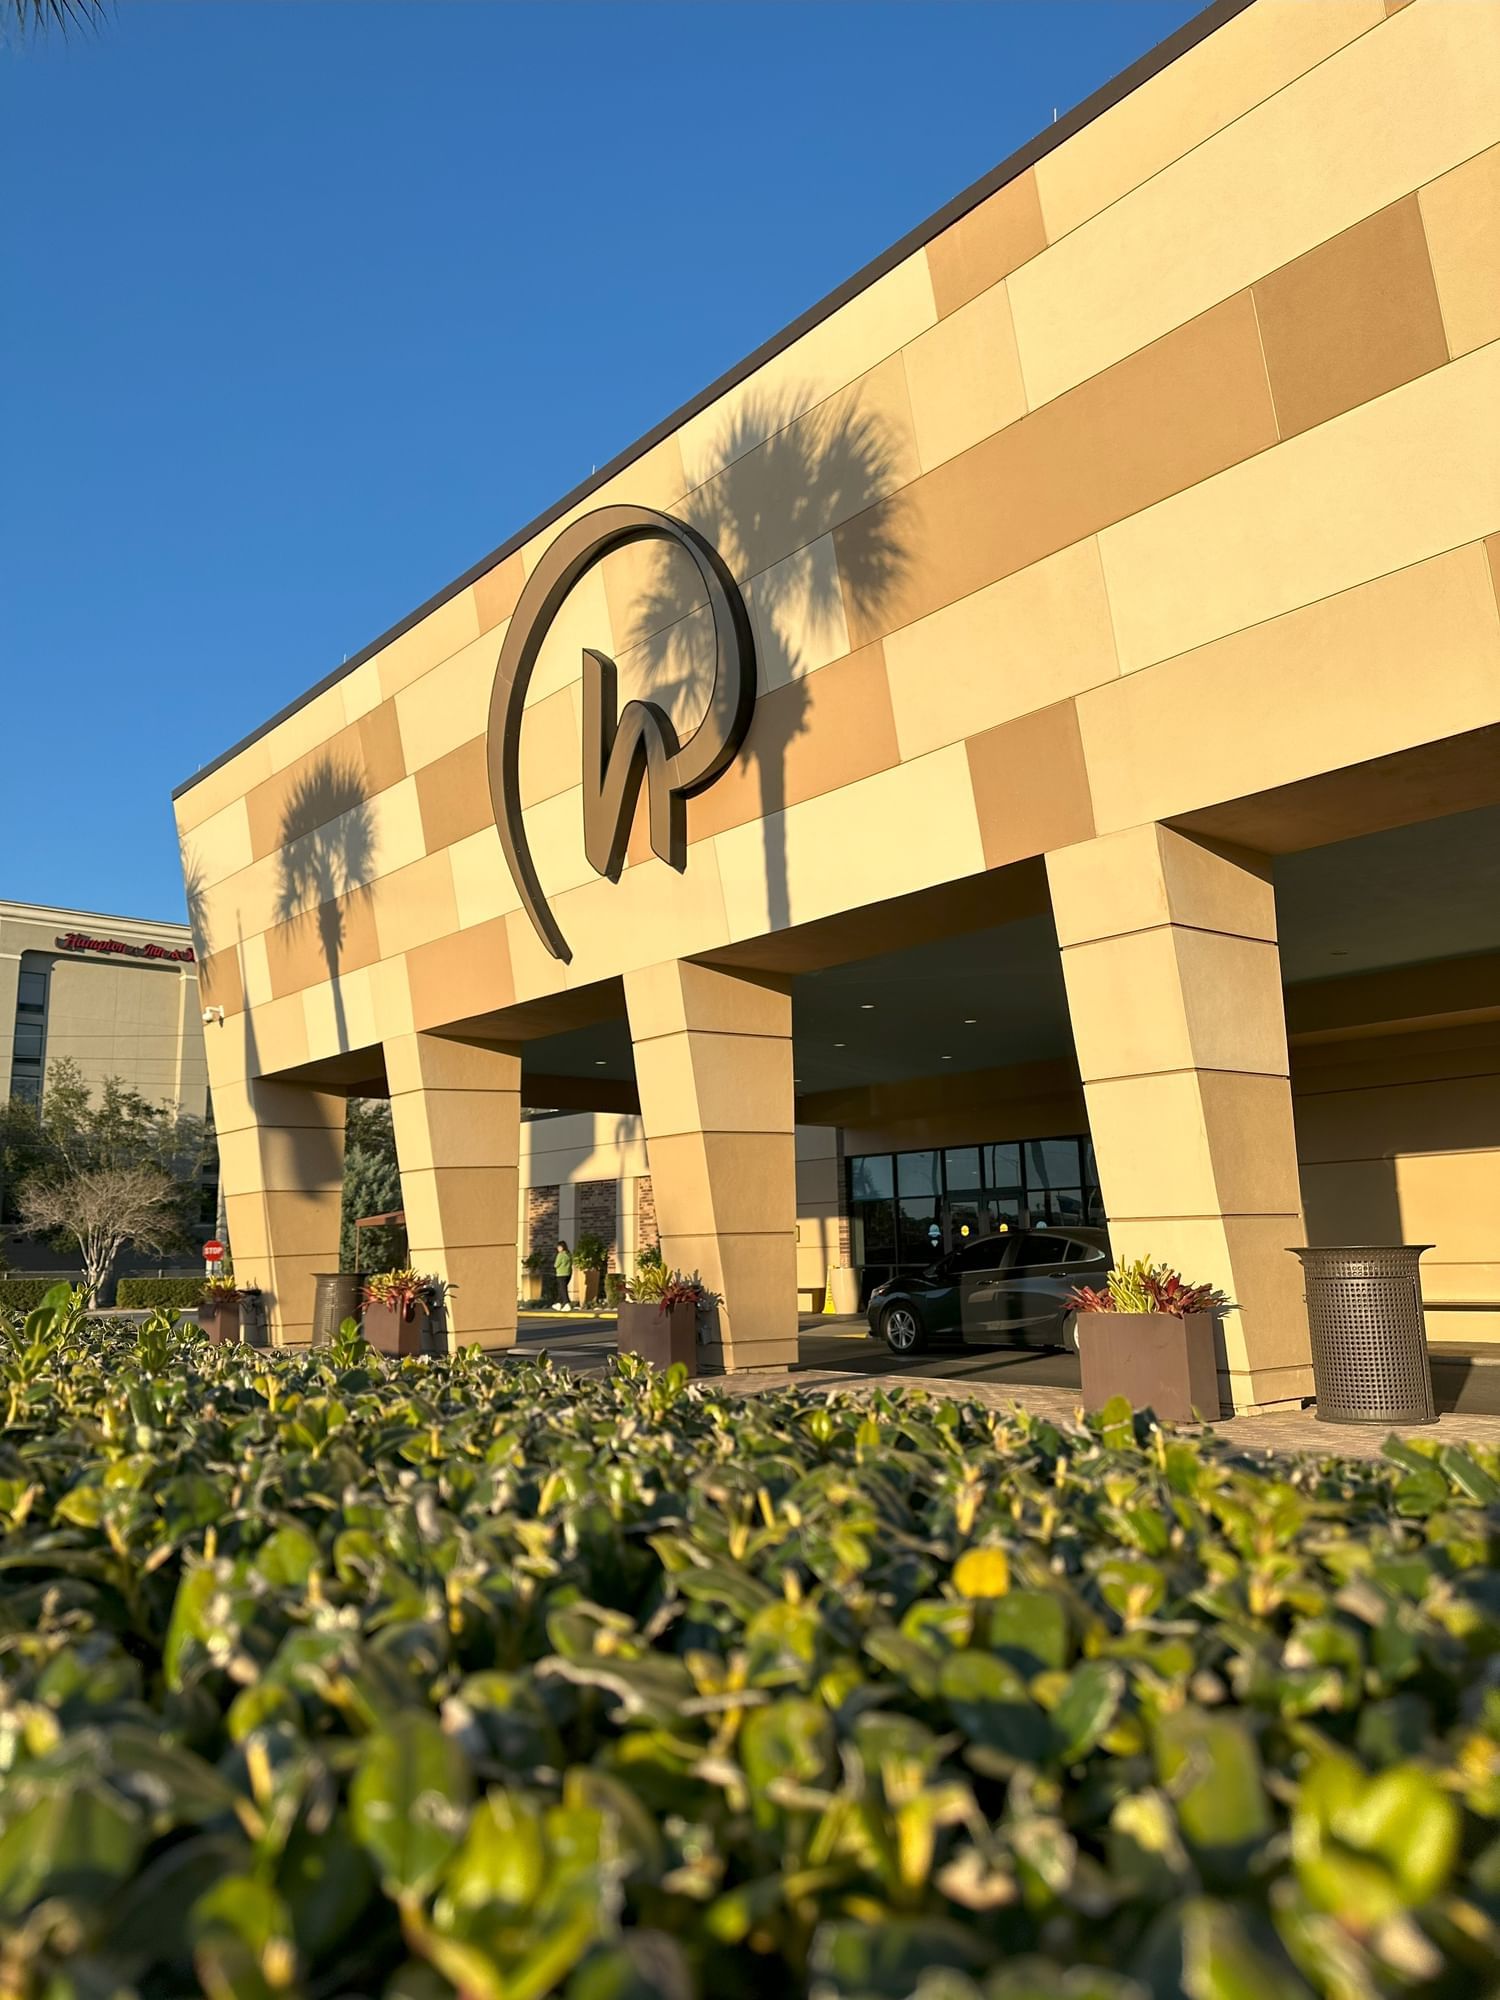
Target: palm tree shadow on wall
324 862
788 480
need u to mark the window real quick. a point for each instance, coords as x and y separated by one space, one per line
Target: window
871 1177
30 1044
986 1255
1035 1252
32 995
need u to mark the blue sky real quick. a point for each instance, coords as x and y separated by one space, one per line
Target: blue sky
309 306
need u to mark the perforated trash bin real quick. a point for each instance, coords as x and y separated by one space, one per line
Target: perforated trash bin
1369 1342
253 1327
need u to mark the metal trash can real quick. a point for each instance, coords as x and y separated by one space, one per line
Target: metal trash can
254 1329
1369 1341
335 1299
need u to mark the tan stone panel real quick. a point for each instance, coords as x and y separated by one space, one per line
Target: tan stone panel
456 1128
337 937
582 620
424 1062
218 846
878 322
1030 640
810 474
1175 998
341 1015
482 887
1310 161
255 970
1161 420
1194 1143
496 591
551 748
1444 1283
414 905
449 705
482 1307
717 1176
361 690
816 735
278 1034
667 998
456 977
757 1275
987 244
554 829
454 795
649 586
459 1208
656 479
301 1223
1212 725
219 982
1449 1200
248 768
1252 1141
282 1159
291 1288
442 633
964 378
325 785
240 1105
1031 790
613 927
901 830
797 614
1150 875
307 730
714 1083
1454 1115
1350 320
245 1220
1241 63
1461 214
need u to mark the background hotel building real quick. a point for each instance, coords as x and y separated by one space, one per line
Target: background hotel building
117 995
1120 557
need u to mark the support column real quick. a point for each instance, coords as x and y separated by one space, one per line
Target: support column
713 1064
1173 977
281 1172
456 1114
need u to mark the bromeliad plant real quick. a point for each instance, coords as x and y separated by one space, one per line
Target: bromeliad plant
219 1291
1144 1287
654 1284
325 1674
404 1291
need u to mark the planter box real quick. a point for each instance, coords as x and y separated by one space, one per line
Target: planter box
658 1337
1153 1360
221 1323
389 1330
583 1286
531 1287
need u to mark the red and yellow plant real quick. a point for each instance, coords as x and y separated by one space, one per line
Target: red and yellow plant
1144 1287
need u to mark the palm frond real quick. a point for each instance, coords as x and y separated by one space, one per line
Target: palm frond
39 15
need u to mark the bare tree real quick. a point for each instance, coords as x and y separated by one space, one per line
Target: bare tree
104 1209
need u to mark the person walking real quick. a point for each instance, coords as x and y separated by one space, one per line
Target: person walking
562 1271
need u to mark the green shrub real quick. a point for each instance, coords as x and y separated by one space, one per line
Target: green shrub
324 1674
25 1294
138 1292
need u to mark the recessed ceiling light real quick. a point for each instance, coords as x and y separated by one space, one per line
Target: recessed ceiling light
971 1020
947 1058
599 1061
840 1045
867 1006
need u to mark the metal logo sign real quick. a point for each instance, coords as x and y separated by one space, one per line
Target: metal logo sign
621 750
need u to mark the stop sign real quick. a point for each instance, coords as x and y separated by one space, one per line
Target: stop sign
213 1253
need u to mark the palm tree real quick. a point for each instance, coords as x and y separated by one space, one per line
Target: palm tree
62 14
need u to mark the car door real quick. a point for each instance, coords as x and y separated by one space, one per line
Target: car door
1036 1283
976 1268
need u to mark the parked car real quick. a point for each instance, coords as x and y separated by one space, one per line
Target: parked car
1008 1290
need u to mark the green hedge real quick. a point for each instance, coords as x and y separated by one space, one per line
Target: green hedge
26 1294
137 1292
326 1675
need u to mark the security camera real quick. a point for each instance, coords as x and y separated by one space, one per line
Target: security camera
213 1014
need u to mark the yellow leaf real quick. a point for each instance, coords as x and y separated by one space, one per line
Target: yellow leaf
982 1573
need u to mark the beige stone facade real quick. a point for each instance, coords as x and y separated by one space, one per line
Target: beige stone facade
1120 559
118 996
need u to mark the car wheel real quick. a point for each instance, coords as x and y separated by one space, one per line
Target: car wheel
903 1330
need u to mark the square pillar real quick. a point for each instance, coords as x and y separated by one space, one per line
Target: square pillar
456 1115
1173 978
713 1065
281 1173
